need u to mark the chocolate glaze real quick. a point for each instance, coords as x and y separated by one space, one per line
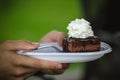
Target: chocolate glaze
81 44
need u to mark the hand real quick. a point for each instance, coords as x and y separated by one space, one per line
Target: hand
54 36
18 67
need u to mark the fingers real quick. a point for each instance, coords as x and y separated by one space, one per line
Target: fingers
56 71
65 65
18 45
53 72
22 71
28 75
36 63
53 36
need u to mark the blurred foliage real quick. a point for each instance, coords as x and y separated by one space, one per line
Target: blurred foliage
32 19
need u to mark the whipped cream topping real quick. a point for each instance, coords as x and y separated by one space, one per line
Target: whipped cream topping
80 28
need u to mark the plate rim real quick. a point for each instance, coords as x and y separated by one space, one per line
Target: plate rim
108 50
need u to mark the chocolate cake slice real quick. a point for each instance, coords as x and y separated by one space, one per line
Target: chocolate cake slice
81 44
81 37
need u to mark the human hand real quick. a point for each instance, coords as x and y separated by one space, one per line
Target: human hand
55 36
18 67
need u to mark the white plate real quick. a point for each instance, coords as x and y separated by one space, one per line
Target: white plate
53 53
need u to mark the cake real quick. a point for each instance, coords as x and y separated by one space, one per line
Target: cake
80 37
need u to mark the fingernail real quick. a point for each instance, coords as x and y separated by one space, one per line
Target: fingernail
35 43
59 66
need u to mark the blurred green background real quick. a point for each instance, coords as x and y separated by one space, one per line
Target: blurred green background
32 19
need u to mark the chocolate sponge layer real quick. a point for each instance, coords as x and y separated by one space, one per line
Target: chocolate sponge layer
81 44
